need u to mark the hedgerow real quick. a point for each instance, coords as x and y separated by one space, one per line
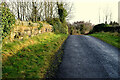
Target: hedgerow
7 20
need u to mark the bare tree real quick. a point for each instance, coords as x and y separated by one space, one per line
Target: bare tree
36 10
110 18
107 14
99 16
40 10
68 7
17 10
45 3
51 9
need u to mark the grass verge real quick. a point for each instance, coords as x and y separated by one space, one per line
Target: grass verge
31 60
110 38
56 61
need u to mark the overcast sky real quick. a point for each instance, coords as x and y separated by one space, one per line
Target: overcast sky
85 10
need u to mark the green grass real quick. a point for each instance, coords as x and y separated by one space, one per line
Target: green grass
110 38
32 57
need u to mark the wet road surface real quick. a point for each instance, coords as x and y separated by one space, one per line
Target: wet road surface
88 57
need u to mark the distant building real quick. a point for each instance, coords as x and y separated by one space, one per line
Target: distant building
119 12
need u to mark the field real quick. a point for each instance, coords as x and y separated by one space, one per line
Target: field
110 38
30 58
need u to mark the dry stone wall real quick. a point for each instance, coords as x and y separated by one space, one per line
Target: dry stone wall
27 29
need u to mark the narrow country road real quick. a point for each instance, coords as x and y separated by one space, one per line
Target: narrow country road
88 57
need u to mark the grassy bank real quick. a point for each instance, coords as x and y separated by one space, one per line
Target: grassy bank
32 57
110 38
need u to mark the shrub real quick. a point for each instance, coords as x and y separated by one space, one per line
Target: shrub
7 20
100 27
41 25
58 26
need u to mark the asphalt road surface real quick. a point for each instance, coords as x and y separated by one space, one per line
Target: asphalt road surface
88 57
